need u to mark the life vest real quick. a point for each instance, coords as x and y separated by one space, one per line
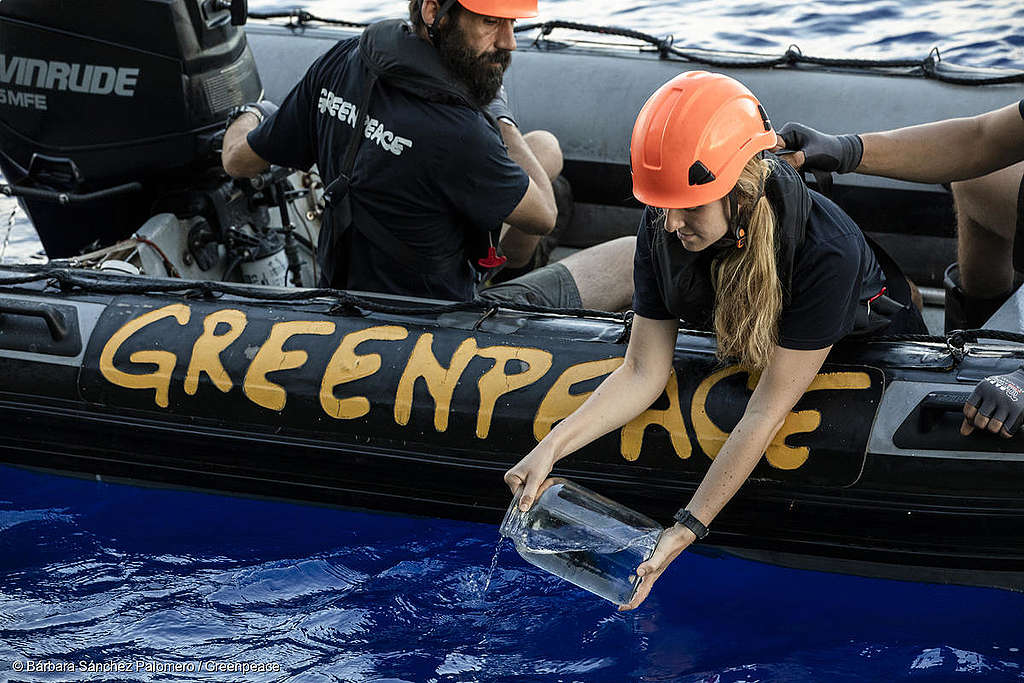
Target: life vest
686 277
390 51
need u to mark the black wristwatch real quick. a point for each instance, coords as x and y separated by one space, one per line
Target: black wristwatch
255 108
686 518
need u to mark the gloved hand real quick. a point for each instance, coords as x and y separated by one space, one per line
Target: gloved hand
499 107
823 152
996 404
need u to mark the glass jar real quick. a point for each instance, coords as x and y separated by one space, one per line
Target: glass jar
581 536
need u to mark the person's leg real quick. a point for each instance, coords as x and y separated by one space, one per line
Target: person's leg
604 274
518 246
915 294
545 147
599 278
986 209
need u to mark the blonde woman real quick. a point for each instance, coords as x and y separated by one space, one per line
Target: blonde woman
733 241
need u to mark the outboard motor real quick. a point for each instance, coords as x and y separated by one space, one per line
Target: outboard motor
118 116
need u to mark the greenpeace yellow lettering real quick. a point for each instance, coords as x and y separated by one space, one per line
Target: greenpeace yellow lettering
159 379
347 366
779 455
272 357
559 402
495 383
207 349
224 327
709 436
670 419
441 381
805 421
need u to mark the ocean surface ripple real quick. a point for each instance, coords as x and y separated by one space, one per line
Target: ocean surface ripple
112 574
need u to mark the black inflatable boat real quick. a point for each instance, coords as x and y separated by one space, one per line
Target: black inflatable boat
137 361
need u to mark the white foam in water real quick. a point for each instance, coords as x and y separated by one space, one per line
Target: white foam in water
928 659
971 662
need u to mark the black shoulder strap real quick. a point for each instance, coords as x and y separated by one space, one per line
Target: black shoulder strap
337 194
339 187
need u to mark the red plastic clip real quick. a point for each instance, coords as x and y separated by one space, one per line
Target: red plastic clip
492 260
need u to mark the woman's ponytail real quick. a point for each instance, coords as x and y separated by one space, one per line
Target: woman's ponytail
748 293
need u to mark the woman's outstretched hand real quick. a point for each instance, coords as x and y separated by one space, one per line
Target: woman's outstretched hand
673 541
529 473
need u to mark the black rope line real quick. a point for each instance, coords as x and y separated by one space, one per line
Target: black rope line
69 280
793 56
664 45
300 17
346 304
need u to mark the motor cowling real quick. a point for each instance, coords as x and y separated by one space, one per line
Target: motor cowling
93 95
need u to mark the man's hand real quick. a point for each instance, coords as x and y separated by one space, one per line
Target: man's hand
996 405
499 108
816 151
238 158
673 541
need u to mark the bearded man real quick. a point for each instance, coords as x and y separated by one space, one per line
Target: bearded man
423 163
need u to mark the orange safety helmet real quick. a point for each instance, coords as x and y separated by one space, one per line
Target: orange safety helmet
504 9
692 139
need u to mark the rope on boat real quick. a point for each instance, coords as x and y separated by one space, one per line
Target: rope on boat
300 17
929 67
346 304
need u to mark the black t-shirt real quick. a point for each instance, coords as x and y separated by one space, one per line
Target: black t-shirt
833 271
429 172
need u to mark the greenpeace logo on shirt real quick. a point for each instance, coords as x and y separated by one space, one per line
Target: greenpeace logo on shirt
374 130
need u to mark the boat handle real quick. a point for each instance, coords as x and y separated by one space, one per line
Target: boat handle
937 404
52 315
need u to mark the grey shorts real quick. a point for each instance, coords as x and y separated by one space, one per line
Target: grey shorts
550 286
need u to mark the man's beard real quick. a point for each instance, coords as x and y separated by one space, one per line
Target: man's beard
481 74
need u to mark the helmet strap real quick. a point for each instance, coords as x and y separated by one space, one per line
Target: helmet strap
739 231
738 220
444 6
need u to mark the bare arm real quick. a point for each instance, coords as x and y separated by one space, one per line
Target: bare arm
781 386
784 381
536 212
946 151
626 393
238 158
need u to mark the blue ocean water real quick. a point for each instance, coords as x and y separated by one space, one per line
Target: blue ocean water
966 32
150 579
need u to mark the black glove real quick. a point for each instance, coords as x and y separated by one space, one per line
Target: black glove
823 152
499 107
1001 399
